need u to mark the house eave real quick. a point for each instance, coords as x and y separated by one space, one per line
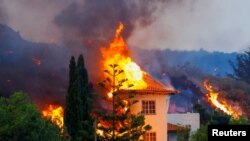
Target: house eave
149 91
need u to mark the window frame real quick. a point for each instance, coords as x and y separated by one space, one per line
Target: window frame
150 136
150 110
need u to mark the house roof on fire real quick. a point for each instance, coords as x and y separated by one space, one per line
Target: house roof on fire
153 87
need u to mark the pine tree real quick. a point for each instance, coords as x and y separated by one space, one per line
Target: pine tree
119 124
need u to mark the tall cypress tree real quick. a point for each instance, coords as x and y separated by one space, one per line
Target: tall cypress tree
86 100
72 117
77 113
82 85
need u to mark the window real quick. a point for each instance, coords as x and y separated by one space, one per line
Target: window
150 136
148 107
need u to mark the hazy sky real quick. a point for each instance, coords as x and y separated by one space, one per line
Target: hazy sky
215 25
221 25
34 18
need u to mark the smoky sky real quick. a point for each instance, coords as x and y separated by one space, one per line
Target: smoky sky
221 25
96 20
88 25
34 18
3 14
215 25
46 20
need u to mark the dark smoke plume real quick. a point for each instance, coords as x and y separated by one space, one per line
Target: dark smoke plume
89 25
97 19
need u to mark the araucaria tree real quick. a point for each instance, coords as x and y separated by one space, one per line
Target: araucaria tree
118 123
77 115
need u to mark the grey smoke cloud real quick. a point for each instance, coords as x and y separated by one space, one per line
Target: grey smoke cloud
96 20
215 25
89 25
3 14
47 21
221 25
34 18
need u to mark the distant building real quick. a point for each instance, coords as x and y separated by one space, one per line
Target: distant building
172 131
176 121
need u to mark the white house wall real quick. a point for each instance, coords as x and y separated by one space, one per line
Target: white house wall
157 121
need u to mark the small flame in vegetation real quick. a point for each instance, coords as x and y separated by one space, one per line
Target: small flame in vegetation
223 105
37 60
55 114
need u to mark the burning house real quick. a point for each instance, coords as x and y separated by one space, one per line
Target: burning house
152 96
153 102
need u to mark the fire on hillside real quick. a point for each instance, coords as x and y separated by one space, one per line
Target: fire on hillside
222 104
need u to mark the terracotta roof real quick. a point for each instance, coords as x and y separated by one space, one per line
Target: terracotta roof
173 127
153 87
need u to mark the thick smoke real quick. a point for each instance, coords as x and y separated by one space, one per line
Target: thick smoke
34 18
215 25
220 25
89 25
3 14
96 20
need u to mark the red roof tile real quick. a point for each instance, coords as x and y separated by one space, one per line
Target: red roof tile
153 87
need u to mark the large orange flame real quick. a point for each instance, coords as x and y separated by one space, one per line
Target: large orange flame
118 53
55 114
223 105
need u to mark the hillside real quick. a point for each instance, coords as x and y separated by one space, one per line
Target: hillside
215 63
36 68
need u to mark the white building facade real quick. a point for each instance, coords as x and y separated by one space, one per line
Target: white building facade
153 102
154 108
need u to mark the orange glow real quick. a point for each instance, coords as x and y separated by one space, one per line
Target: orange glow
118 53
55 114
223 105
110 95
126 103
36 60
